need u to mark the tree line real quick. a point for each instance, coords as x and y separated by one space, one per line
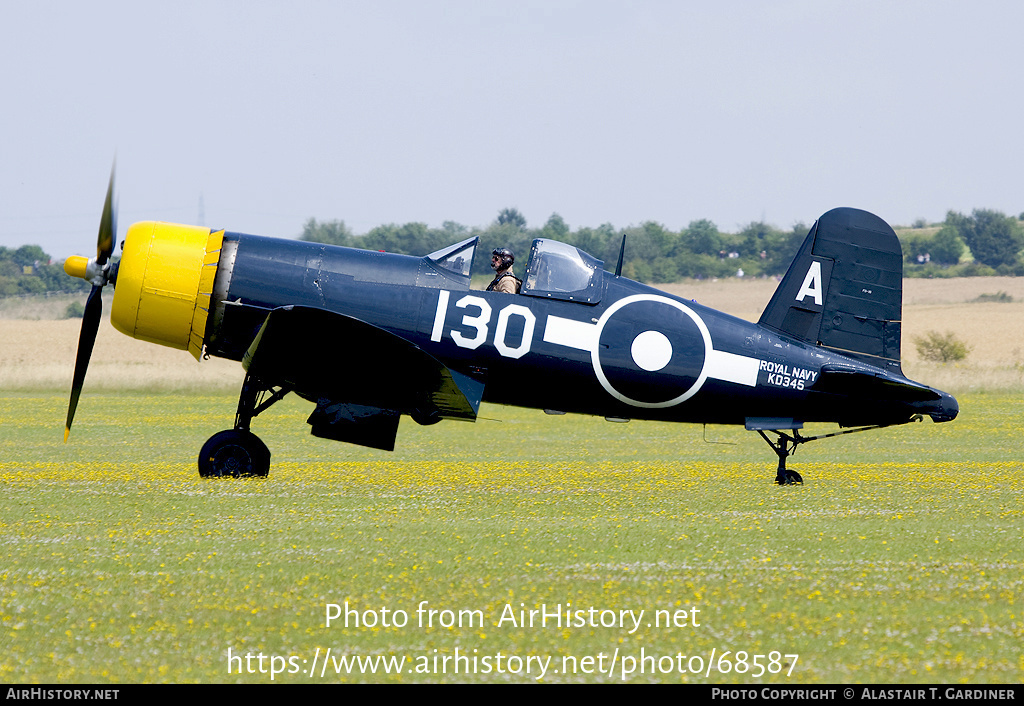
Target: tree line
29 270
653 252
986 242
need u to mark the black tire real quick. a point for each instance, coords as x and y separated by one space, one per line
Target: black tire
789 477
234 453
426 418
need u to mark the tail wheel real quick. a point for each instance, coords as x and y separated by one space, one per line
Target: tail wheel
789 477
236 453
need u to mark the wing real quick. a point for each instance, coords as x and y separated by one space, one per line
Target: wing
361 376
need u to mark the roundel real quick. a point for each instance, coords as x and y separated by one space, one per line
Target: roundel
651 351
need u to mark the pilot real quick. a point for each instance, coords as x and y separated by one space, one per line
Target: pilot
504 280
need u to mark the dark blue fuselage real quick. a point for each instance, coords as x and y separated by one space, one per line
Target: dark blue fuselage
630 351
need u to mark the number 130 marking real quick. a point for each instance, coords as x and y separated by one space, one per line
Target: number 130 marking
480 324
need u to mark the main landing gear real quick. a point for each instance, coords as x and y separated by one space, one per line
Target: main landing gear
238 452
786 447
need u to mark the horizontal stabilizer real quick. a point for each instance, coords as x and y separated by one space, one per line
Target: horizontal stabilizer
844 290
851 382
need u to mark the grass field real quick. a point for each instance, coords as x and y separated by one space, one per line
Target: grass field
898 561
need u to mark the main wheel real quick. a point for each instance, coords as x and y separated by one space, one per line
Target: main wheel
235 453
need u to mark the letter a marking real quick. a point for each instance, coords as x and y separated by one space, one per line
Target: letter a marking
812 284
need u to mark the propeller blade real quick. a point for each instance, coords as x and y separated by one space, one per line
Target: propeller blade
108 226
86 340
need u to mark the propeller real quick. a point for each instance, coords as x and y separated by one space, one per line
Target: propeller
98 272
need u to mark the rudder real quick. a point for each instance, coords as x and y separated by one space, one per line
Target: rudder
844 290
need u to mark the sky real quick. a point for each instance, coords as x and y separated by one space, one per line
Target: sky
256 116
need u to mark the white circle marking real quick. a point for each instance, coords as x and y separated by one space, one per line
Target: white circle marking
651 350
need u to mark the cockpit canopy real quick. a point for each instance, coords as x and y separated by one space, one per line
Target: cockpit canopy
554 271
456 259
560 271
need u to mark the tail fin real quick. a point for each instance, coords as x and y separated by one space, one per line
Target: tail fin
844 290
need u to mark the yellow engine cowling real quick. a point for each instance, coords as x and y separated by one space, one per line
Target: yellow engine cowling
164 284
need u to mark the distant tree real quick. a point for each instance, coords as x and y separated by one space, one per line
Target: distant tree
408 239
703 266
941 347
596 241
452 231
772 248
511 216
660 237
946 248
915 247
52 278
328 233
993 238
74 310
556 228
702 237
9 267
754 238
30 255
663 270
638 270
28 270
645 245
789 245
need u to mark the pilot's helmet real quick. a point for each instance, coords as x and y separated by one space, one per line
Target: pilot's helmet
506 257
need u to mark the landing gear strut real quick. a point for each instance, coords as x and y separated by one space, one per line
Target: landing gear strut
786 447
238 452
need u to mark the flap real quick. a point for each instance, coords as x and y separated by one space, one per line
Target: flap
321 354
355 424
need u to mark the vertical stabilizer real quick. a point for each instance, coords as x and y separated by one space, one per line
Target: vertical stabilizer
844 290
